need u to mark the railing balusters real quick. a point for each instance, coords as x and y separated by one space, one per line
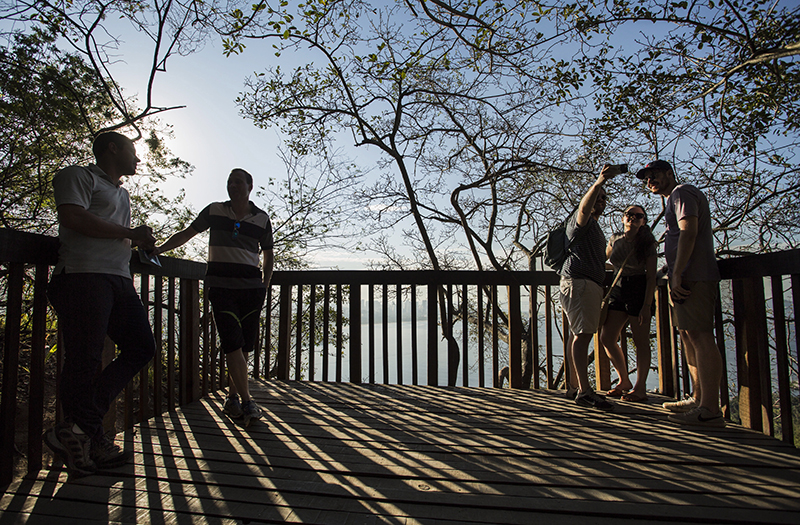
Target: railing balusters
495 335
312 326
326 331
548 337
339 333
8 406
481 340
724 399
37 377
448 330
298 346
515 338
171 344
399 332
371 332
158 325
782 360
464 335
414 346
144 373
355 332
433 347
268 335
385 332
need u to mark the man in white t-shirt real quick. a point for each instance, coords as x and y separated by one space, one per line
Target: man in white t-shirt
93 295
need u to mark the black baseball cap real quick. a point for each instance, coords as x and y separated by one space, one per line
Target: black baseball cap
656 165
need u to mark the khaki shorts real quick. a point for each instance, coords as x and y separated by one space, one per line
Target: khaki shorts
697 312
581 299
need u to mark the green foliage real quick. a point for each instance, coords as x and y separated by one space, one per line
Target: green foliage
49 104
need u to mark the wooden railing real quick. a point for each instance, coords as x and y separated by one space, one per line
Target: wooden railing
488 325
484 326
182 371
363 326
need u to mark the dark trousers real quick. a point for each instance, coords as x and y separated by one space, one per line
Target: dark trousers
89 307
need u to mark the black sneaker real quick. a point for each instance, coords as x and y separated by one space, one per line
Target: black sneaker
232 407
251 411
592 399
106 454
571 393
73 448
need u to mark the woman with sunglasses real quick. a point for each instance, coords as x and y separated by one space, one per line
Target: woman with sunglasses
631 300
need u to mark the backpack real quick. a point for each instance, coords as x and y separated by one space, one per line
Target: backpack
556 247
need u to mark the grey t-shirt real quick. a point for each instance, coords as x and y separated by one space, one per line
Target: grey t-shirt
90 188
688 201
587 251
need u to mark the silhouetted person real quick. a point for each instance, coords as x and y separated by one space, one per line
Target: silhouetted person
235 284
93 294
693 287
633 253
582 278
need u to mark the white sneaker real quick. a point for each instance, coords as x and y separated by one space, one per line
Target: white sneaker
684 405
700 416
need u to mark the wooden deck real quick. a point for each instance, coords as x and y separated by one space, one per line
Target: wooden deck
341 453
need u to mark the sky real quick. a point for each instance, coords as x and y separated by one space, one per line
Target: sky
209 132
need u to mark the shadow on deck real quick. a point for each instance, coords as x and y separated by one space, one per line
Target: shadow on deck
343 453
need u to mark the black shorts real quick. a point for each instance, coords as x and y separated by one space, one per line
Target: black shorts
237 314
628 295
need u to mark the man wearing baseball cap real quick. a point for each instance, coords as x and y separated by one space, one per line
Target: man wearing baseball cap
693 288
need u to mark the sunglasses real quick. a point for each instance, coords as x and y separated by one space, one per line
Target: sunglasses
236 229
633 216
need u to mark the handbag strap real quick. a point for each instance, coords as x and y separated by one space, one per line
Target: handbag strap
616 278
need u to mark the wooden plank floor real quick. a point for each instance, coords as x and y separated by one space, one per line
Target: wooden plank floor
340 453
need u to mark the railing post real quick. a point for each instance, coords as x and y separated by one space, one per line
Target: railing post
602 364
284 327
515 338
190 340
752 344
8 407
565 334
355 332
667 369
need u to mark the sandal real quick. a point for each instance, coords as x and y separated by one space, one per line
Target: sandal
634 397
615 392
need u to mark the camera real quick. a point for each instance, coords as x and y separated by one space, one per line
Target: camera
616 169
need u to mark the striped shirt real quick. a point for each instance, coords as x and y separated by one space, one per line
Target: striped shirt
587 251
234 245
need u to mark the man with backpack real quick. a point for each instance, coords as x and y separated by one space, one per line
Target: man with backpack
582 277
